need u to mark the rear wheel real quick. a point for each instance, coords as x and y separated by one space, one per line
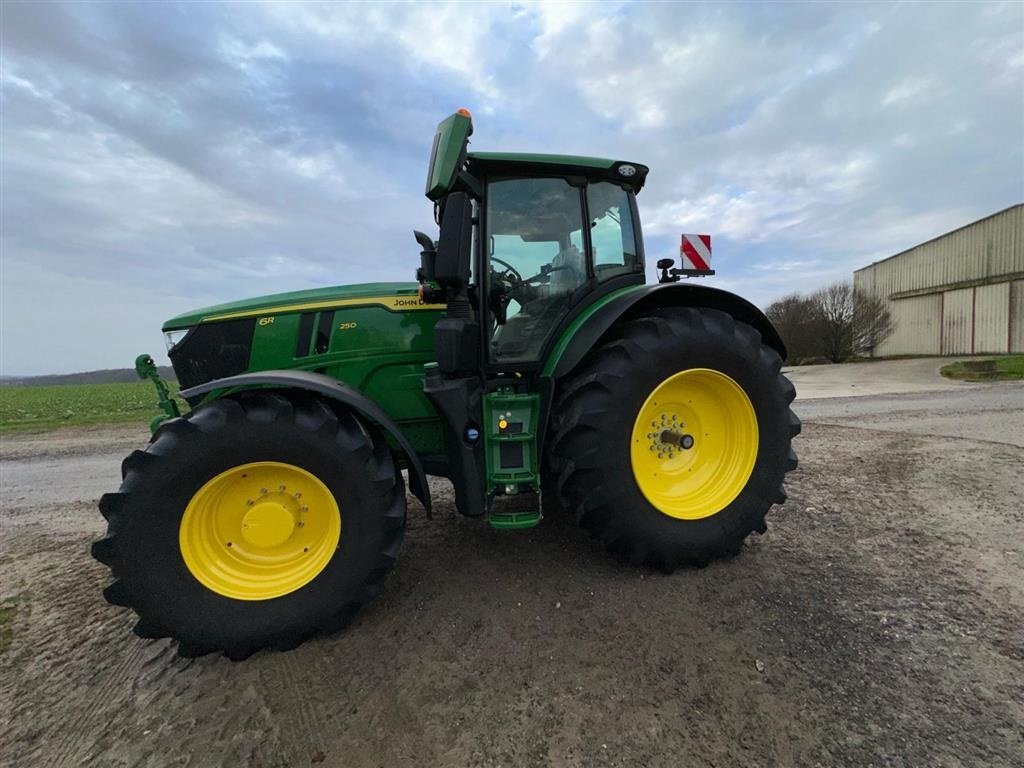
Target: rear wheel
671 441
255 521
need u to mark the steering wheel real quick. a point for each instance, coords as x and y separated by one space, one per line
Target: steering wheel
509 269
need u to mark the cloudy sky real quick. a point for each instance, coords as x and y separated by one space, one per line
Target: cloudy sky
158 157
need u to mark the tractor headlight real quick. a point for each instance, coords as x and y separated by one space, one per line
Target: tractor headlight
173 337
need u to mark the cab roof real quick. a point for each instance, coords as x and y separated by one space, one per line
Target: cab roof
633 174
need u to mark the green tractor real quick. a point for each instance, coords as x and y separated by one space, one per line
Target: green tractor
529 358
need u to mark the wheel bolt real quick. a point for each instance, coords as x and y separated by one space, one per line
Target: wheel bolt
249 502
298 495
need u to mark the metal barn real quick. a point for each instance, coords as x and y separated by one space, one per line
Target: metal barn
961 293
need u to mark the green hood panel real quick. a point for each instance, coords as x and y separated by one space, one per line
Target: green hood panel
397 296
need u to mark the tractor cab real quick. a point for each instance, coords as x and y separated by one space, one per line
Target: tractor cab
545 233
527 241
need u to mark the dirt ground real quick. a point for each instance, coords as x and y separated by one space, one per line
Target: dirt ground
878 622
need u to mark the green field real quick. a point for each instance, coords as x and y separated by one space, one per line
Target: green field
77 404
1003 368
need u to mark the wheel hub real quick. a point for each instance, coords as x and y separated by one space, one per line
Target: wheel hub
672 437
268 524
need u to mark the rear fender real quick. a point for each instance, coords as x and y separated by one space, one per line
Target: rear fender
334 390
632 303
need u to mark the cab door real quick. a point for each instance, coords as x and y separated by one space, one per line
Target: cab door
535 259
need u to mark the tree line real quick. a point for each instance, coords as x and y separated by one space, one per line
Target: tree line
833 324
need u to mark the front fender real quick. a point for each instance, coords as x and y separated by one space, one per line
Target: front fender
631 302
335 390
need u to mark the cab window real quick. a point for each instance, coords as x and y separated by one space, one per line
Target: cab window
611 230
536 261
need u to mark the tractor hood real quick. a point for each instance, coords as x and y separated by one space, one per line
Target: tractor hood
297 301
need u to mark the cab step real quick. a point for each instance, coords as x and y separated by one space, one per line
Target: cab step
511 521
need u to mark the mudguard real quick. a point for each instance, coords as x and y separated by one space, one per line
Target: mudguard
634 302
335 390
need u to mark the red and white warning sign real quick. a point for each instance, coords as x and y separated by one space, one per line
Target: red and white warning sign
695 252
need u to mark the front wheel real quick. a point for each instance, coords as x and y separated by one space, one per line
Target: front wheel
671 441
253 522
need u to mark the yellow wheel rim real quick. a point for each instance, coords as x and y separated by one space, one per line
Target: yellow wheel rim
694 444
260 530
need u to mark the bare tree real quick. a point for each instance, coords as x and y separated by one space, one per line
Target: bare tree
872 323
852 322
836 322
796 319
835 309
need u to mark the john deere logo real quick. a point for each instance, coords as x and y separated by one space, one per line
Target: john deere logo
408 303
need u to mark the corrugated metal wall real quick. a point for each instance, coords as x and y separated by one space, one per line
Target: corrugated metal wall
992 318
1016 333
957 326
917 327
953 295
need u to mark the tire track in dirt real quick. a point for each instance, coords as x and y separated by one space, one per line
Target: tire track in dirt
63 594
295 715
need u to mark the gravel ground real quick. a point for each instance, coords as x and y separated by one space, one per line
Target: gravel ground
878 622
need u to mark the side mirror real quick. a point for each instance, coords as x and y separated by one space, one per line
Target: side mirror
448 153
451 263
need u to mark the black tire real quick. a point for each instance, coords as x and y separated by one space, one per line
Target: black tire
589 462
141 546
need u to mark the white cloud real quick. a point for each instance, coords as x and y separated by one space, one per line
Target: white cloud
453 37
554 19
769 195
909 90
